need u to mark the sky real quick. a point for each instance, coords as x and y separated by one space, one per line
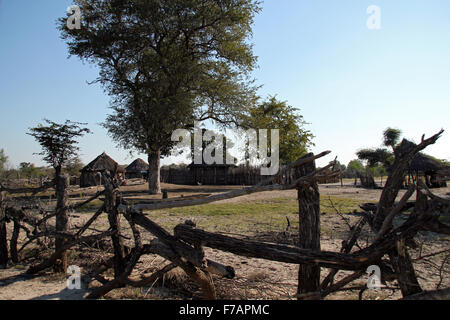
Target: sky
350 82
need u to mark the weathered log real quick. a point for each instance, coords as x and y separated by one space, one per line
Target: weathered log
159 248
13 242
274 252
62 221
404 270
289 254
182 249
387 223
111 204
309 228
187 257
3 234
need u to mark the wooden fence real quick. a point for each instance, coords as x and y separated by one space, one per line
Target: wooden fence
184 249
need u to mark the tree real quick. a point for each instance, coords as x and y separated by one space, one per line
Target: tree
59 147
391 137
355 168
275 114
73 166
28 170
382 156
3 160
167 63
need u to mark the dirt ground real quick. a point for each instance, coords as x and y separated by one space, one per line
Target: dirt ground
255 278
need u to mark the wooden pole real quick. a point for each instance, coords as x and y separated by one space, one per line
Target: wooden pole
62 220
309 229
111 204
3 234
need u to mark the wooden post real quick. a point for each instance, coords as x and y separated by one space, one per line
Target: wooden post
309 229
3 235
111 204
13 242
62 220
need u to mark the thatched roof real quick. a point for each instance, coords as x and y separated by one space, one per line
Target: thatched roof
101 163
137 165
426 164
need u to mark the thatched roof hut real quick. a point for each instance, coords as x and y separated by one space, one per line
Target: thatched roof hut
432 169
138 169
424 164
91 174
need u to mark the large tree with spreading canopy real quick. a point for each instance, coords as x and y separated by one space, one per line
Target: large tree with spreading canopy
166 64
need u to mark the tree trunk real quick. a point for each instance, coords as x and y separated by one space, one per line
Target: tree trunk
61 221
154 174
309 230
3 235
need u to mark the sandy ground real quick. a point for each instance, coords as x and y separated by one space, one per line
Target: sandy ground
255 278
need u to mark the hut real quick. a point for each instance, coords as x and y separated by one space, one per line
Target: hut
430 169
215 174
91 175
138 169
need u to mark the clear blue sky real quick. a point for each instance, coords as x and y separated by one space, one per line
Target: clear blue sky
349 82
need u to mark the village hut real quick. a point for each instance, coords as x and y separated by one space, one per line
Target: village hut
91 175
215 174
430 169
138 169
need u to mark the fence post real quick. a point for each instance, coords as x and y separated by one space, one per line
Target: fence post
111 204
62 221
3 236
309 229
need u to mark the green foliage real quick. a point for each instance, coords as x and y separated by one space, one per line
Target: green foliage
167 63
355 165
391 137
28 170
376 157
354 168
274 114
73 166
3 160
380 159
58 141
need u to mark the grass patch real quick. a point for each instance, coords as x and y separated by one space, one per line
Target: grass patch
91 206
261 215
